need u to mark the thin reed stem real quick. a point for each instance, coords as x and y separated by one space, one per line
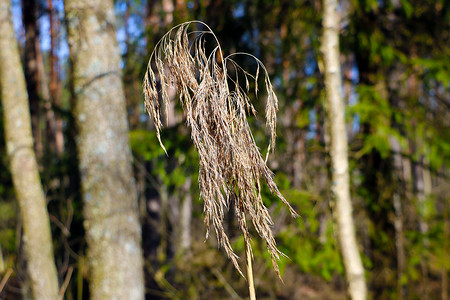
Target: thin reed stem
249 258
5 279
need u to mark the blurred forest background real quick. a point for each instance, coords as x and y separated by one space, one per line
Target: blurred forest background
395 59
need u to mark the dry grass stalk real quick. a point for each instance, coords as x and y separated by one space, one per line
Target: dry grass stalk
231 166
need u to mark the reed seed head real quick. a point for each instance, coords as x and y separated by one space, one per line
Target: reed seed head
231 166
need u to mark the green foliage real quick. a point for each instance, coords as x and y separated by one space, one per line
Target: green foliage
407 8
145 144
434 69
374 110
180 162
310 245
8 240
8 211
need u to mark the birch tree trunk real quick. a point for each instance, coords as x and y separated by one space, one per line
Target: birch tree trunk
37 239
339 153
110 210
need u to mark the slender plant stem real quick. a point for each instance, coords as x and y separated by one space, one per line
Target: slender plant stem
65 284
5 279
248 256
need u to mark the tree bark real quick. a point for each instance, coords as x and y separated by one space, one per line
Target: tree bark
24 169
186 217
339 153
112 226
29 13
399 219
421 189
54 83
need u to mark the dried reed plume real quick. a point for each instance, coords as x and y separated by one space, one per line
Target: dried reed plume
231 166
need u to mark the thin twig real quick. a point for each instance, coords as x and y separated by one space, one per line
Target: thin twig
65 283
5 279
60 225
226 285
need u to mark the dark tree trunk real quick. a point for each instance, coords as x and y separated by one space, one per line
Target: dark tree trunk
54 83
30 13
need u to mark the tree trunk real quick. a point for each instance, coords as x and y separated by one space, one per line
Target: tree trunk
29 13
186 217
24 170
112 226
180 11
398 220
54 83
420 189
168 7
339 153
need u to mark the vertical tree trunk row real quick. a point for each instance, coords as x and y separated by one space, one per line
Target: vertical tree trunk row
38 245
339 153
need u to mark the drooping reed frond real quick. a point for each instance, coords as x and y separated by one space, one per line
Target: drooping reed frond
231 166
